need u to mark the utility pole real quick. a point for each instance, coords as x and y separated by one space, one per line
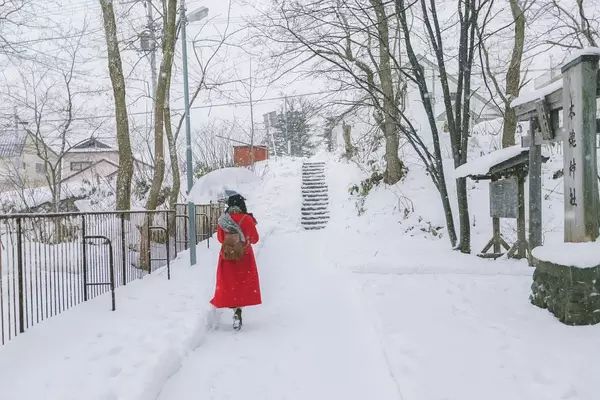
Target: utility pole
152 33
251 120
287 134
188 137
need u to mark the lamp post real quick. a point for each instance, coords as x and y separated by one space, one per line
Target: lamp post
194 16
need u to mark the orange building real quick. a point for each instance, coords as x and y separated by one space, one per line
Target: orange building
242 155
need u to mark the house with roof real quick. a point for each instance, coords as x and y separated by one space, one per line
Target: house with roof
20 163
95 161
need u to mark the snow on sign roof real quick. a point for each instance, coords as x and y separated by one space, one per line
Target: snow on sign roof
553 87
538 94
588 51
580 255
482 165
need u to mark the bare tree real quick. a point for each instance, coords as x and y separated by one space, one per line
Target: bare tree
212 146
351 43
115 68
513 78
12 16
456 103
354 44
204 63
50 101
573 24
169 29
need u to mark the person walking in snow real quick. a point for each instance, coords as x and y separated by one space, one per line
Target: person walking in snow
237 275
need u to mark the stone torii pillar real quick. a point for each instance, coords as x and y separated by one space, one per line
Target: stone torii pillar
580 81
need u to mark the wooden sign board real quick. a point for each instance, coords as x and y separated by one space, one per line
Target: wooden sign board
504 198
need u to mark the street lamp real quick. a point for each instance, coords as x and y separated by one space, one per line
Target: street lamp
194 16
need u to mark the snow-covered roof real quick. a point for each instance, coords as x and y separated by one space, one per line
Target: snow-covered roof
12 142
538 94
482 165
581 255
91 145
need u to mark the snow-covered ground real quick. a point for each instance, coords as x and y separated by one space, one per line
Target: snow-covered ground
375 306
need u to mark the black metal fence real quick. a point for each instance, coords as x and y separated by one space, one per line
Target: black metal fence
207 216
52 262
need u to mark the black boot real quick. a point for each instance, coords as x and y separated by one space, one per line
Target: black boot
237 319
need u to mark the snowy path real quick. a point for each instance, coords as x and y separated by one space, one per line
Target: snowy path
308 341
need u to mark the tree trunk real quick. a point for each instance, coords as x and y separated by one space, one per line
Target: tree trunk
466 54
394 170
172 142
122 123
166 67
349 147
438 175
513 76
463 216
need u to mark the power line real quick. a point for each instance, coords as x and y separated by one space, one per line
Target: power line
238 103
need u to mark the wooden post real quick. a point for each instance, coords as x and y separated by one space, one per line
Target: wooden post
496 229
579 144
522 246
535 186
496 226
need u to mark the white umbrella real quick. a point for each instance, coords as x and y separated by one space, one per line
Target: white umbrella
223 183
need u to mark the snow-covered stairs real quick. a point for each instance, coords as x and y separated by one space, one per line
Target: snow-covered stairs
315 197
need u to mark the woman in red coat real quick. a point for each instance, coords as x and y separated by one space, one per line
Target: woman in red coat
237 281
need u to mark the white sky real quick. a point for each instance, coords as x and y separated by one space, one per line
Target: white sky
233 63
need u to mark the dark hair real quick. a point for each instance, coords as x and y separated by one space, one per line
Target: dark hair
237 201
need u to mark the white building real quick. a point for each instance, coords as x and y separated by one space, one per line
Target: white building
20 163
95 162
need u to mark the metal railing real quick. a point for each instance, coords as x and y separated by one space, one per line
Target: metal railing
207 216
50 263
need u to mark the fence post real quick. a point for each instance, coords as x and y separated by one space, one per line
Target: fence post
168 250
185 232
123 258
149 243
20 276
84 254
174 233
112 274
192 234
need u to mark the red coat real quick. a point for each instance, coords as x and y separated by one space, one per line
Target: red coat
237 281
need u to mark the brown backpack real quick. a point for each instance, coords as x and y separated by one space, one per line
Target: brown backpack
233 246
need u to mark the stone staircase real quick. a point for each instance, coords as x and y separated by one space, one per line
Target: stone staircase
315 198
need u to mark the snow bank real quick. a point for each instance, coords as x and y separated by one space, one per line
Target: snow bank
580 255
126 354
462 322
482 165
34 197
212 186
